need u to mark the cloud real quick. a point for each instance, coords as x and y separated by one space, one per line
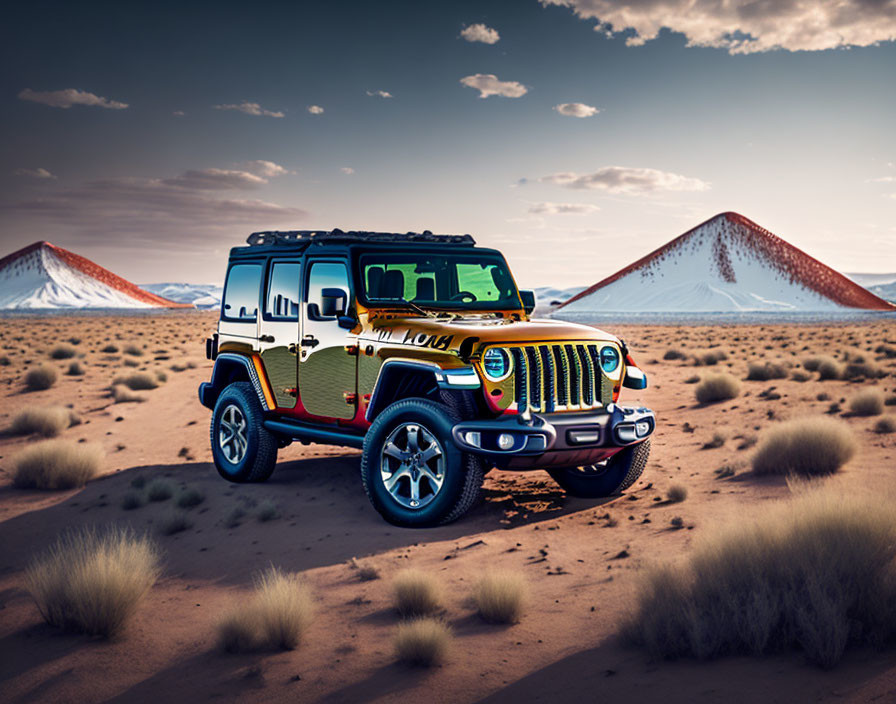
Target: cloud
39 173
347 170
254 175
250 109
480 33
745 26
315 110
379 93
178 113
882 179
488 84
629 181
576 109
70 96
547 208
266 169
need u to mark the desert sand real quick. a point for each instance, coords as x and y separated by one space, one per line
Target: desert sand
582 558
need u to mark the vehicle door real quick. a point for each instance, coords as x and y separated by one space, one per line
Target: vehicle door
278 331
327 362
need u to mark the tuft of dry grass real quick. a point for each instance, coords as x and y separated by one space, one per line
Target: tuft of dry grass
132 350
415 593
885 425
159 490
63 352
817 573
672 354
422 642
804 446
56 464
500 596
717 387
122 394
757 371
677 493
75 369
190 497
40 378
175 522
136 382
93 582
716 441
829 369
869 402
48 422
276 616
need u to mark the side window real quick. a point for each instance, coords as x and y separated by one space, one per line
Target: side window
324 275
241 293
282 300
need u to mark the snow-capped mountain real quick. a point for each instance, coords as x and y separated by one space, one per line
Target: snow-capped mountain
726 264
43 275
199 295
883 285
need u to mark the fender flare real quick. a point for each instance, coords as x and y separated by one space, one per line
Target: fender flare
230 367
445 379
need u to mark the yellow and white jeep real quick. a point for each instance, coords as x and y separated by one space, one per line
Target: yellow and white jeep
419 349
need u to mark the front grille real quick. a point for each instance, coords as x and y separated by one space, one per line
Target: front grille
559 377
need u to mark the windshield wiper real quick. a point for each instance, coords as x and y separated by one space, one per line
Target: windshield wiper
428 314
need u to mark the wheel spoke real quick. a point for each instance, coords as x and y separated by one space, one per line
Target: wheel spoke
393 450
415 488
402 471
432 451
413 441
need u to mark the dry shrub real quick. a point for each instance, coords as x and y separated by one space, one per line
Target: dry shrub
122 394
422 642
677 493
40 378
885 426
75 369
159 490
133 350
500 596
48 422
869 402
92 582
190 497
804 446
829 368
109 349
757 371
415 593
56 464
137 382
862 369
175 522
717 387
276 616
672 354
63 352
816 573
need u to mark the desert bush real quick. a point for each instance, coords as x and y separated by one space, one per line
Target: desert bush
366 573
717 387
132 350
804 446
189 498
122 394
92 582
500 596
159 490
63 352
692 380
677 493
673 354
267 511
422 642
109 349
48 422
885 425
235 517
817 573
276 616
799 376
4 361
829 369
757 371
890 400
716 441
415 593
56 464
75 369
40 378
175 522
136 382
869 402
132 500
161 376
862 370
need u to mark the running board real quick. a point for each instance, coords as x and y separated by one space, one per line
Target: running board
312 433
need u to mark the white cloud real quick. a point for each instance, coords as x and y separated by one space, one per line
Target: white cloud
745 26
576 109
178 113
253 175
629 181
250 109
38 173
347 170
488 84
315 109
70 96
548 208
379 93
265 169
480 33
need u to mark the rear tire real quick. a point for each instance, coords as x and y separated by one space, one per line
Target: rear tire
242 448
410 444
601 480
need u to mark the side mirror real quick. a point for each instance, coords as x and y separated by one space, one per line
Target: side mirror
634 378
528 299
333 302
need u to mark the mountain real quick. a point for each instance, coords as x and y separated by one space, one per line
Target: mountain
199 295
883 285
43 275
726 264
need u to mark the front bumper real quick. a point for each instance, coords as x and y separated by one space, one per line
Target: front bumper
556 439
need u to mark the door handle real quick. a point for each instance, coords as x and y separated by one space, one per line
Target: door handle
266 338
310 341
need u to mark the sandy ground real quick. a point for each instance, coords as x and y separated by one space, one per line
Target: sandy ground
565 648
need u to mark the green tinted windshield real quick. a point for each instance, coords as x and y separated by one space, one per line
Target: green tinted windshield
473 281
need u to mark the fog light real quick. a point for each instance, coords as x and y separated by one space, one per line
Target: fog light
474 438
625 433
505 441
642 428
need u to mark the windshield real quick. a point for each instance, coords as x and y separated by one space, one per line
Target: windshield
478 281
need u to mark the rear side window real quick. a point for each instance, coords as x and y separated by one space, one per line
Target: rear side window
241 293
282 302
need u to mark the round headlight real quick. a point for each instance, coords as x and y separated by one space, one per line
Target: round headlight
609 359
496 363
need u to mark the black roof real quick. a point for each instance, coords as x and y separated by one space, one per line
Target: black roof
302 239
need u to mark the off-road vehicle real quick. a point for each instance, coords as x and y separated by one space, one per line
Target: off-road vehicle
419 349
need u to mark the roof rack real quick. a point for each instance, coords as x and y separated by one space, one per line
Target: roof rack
308 237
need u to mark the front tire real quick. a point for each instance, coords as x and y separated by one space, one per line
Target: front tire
242 448
612 477
412 472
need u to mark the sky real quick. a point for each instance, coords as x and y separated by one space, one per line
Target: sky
574 135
